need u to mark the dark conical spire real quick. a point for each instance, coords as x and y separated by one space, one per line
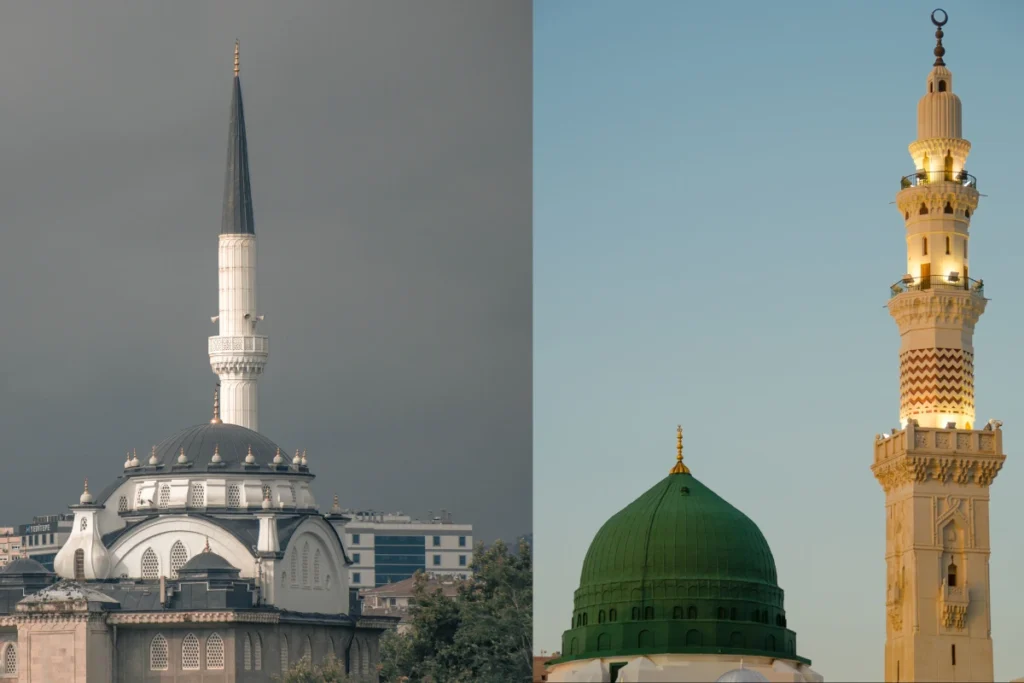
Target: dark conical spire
237 218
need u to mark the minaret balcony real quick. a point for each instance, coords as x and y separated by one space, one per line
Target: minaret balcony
953 604
919 178
248 343
950 282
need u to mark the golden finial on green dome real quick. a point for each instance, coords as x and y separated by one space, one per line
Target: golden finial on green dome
679 467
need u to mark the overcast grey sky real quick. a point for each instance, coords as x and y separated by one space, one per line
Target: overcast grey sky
390 150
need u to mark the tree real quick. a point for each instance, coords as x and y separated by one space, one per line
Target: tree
329 671
484 635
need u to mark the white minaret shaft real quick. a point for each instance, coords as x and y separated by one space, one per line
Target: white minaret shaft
238 355
936 471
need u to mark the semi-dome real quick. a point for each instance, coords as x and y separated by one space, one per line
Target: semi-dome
231 442
679 570
207 564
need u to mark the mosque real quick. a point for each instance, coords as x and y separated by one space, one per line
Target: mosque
207 559
682 586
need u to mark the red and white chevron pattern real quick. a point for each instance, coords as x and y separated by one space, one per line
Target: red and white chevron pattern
936 381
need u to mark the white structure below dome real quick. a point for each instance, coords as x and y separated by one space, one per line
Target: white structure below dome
683 668
742 676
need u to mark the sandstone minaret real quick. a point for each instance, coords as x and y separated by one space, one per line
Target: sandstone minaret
936 470
238 355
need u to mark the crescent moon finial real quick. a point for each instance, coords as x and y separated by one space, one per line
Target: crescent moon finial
945 18
939 51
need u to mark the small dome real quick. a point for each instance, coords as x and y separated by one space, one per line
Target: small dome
208 563
25 566
742 676
86 497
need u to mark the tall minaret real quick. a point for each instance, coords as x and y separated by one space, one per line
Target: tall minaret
936 470
238 355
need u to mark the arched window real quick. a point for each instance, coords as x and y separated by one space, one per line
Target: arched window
677 612
179 556
79 565
645 639
316 568
951 574
150 565
165 495
923 211
613 614
572 646
732 613
600 617
257 652
234 497
305 564
691 612
604 642
197 496
190 653
967 214
307 652
942 88
214 652
585 619
636 614
11 659
327 582
947 209
284 654
84 524
769 642
158 653
122 504
295 564
721 613
247 653
648 612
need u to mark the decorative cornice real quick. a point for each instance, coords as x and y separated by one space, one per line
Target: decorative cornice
936 148
936 307
176 617
935 195
918 455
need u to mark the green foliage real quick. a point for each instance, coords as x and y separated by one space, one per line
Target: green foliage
330 671
484 635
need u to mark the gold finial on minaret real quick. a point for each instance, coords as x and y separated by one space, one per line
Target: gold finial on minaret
216 406
679 467
85 489
939 50
236 58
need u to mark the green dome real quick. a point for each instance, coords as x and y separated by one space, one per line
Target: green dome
679 570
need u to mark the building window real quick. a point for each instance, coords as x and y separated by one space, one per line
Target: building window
316 568
307 652
942 88
951 575
79 565
234 497
965 247
247 653
437 560
158 653
636 614
355 558
612 614
462 560
437 541
648 612
179 556
84 524
924 241
327 582
190 653
257 655
284 654
197 496
357 578
677 612
150 565
462 541
11 659
948 244
165 496
952 653
305 564
355 539
732 613
51 539
122 504
215 652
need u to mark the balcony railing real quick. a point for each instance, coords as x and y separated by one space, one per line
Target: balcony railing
925 177
945 282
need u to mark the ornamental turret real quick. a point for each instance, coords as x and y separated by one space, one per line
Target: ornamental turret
237 354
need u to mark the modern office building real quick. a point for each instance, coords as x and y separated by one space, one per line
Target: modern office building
391 547
41 539
10 545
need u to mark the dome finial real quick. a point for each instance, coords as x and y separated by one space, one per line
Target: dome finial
135 458
216 453
86 497
206 548
939 50
249 457
216 407
236 57
679 468
153 460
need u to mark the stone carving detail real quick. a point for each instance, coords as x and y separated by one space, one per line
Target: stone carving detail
937 381
954 616
904 469
986 442
963 442
942 440
895 617
937 307
921 439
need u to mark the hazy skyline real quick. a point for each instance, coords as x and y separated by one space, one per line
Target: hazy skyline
389 145
714 244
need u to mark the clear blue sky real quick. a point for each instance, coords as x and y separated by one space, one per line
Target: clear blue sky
714 244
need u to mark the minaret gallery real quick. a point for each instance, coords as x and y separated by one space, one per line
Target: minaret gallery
237 354
937 468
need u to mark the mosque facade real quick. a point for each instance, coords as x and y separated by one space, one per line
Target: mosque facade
208 558
682 586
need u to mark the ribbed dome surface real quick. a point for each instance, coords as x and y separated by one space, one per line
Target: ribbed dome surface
679 529
231 441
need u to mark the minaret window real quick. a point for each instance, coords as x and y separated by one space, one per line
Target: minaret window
948 209
677 612
951 575
923 211
942 86
948 249
965 247
305 564
316 568
79 565
948 168
967 213
924 240
636 614
85 524
952 653
691 612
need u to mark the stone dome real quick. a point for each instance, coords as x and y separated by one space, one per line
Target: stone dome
207 562
25 566
231 441
742 676
679 570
